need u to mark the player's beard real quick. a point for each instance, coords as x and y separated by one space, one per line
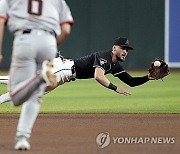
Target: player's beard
120 58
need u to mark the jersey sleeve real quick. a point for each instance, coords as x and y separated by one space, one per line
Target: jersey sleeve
100 62
65 14
132 81
117 70
4 9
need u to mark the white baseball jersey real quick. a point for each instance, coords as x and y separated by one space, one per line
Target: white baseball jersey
35 14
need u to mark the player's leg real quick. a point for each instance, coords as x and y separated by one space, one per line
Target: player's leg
29 113
25 89
63 71
5 98
60 72
25 66
30 108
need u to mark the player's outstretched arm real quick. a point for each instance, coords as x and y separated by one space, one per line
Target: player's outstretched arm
2 22
65 31
101 78
133 81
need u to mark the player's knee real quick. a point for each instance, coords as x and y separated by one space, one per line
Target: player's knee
15 101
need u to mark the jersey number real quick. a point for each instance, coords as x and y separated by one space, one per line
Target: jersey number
35 7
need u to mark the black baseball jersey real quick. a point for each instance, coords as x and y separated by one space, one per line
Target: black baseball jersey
85 66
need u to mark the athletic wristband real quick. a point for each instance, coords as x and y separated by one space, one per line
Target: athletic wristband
112 87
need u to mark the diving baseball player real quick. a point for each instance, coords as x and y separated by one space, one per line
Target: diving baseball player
97 65
36 28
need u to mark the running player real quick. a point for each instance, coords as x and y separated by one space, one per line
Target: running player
35 25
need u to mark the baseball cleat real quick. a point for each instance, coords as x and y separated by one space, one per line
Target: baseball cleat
48 74
22 143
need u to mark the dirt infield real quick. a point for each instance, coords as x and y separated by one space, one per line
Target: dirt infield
76 134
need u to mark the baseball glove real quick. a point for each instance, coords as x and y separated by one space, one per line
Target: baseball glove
158 69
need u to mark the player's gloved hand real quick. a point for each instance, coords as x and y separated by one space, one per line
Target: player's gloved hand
158 70
123 91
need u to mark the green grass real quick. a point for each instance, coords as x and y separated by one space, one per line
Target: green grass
87 96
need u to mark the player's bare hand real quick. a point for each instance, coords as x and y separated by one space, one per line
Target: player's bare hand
123 91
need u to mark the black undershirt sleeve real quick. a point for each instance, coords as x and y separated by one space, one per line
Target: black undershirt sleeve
132 81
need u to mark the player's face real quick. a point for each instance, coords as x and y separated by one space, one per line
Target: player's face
121 53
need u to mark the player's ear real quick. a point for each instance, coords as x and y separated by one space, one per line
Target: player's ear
114 47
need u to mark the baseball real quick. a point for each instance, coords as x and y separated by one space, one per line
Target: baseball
157 63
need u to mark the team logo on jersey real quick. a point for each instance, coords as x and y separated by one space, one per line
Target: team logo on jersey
103 61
